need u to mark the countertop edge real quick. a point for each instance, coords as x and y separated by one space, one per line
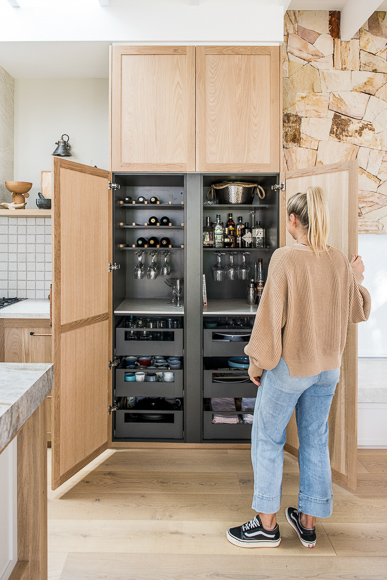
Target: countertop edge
21 410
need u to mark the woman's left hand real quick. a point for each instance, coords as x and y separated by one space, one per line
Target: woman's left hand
256 380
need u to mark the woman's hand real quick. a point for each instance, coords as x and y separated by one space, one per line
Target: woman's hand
357 264
256 380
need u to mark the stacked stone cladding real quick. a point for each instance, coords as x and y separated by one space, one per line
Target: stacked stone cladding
335 103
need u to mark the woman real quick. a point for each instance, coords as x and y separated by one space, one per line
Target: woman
311 295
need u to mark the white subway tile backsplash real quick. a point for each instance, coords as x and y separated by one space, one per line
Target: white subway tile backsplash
31 285
3 249
40 267
23 221
3 220
31 229
40 294
47 239
31 267
39 248
3 238
12 239
12 248
21 239
40 221
12 267
4 276
12 229
21 276
12 292
48 258
39 276
48 267
40 229
21 285
21 266
31 275
40 257
30 248
40 239
3 266
12 257
31 294
21 229
31 238
40 285
12 276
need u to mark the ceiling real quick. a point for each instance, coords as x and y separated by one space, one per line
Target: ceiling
90 59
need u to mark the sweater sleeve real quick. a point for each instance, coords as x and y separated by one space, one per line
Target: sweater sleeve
265 345
359 298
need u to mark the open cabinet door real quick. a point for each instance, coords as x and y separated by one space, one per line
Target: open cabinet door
82 316
339 183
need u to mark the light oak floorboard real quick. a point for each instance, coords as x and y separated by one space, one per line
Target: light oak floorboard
173 514
130 566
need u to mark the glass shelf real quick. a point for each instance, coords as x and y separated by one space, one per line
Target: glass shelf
236 206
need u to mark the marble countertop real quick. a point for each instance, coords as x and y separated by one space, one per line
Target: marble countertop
23 387
27 309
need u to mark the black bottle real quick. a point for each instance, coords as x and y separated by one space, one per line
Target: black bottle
153 242
153 220
141 242
247 240
153 199
165 221
141 199
165 242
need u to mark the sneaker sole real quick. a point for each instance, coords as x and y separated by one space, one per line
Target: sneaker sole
303 542
252 543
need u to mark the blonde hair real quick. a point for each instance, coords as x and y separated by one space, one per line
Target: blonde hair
311 210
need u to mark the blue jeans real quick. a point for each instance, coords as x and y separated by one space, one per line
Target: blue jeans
277 397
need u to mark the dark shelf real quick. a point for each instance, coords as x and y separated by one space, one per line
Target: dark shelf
136 249
239 249
151 205
150 227
237 206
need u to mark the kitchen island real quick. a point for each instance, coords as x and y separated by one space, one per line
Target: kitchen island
23 469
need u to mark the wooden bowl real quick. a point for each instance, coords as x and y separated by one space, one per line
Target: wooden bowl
18 186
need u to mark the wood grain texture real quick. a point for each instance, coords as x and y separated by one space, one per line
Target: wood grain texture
238 117
82 314
20 346
105 534
32 495
339 183
153 108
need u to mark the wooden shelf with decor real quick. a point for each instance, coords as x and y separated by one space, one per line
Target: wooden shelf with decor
27 213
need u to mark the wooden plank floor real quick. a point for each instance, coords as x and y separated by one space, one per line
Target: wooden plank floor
161 514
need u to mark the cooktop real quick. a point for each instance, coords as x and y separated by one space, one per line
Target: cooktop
8 301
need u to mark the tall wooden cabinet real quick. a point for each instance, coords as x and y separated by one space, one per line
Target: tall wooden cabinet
204 109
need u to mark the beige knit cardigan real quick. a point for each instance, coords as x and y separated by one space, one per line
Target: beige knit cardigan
306 306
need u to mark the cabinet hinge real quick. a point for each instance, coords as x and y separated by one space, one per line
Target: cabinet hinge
113 186
278 186
114 266
114 363
112 409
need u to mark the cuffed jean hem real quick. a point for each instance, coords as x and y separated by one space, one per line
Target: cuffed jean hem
319 508
266 505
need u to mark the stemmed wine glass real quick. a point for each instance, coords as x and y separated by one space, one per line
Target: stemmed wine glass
244 269
231 270
166 267
139 270
177 291
218 271
152 271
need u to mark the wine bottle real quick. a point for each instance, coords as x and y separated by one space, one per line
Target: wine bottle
240 232
247 239
153 242
165 242
141 242
208 234
218 232
165 221
228 238
153 220
153 199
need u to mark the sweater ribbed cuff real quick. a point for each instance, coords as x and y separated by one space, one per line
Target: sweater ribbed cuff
254 370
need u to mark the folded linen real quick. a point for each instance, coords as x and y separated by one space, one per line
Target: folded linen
224 404
248 404
247 418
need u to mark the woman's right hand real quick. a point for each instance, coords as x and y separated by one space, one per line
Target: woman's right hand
357 264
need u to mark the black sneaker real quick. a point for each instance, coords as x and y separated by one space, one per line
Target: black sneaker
253 535
307 537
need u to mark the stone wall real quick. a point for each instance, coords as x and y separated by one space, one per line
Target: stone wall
335 103
7 89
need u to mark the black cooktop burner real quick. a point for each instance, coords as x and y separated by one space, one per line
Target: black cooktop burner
8 301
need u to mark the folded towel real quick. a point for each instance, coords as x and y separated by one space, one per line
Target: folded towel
248 404
248 419
224 404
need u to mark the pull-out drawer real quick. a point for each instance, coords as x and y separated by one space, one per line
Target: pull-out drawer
223 430
159 342
148 389
225 342
131 424
228 384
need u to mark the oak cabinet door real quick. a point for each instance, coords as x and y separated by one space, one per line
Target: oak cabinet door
153 108
339 183
238 116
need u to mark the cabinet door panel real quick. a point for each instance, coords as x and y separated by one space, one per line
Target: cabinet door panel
339 183
20 346
238 109
153 109
82 316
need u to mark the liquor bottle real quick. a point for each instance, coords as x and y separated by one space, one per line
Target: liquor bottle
153 220
153 242
228 238
259 237
208 234
165 221
240 232
153 199
165 243
141 242
218 232
260 283
141 199
247 239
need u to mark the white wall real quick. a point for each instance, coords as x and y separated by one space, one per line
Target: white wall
373 333
6 132
46 108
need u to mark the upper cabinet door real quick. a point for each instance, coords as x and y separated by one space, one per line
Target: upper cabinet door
238 114
82 316
339 183
153 108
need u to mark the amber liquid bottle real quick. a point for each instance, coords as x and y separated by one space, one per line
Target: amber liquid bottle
231 230
240 232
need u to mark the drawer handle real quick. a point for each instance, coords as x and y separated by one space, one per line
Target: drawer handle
38 334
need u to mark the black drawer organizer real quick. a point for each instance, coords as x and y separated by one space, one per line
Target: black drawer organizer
155 407
225 341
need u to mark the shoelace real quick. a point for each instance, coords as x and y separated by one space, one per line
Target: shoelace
254 523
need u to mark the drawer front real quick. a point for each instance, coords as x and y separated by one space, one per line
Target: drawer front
227 389
216 343
137 429
125 346
223 431
148 389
